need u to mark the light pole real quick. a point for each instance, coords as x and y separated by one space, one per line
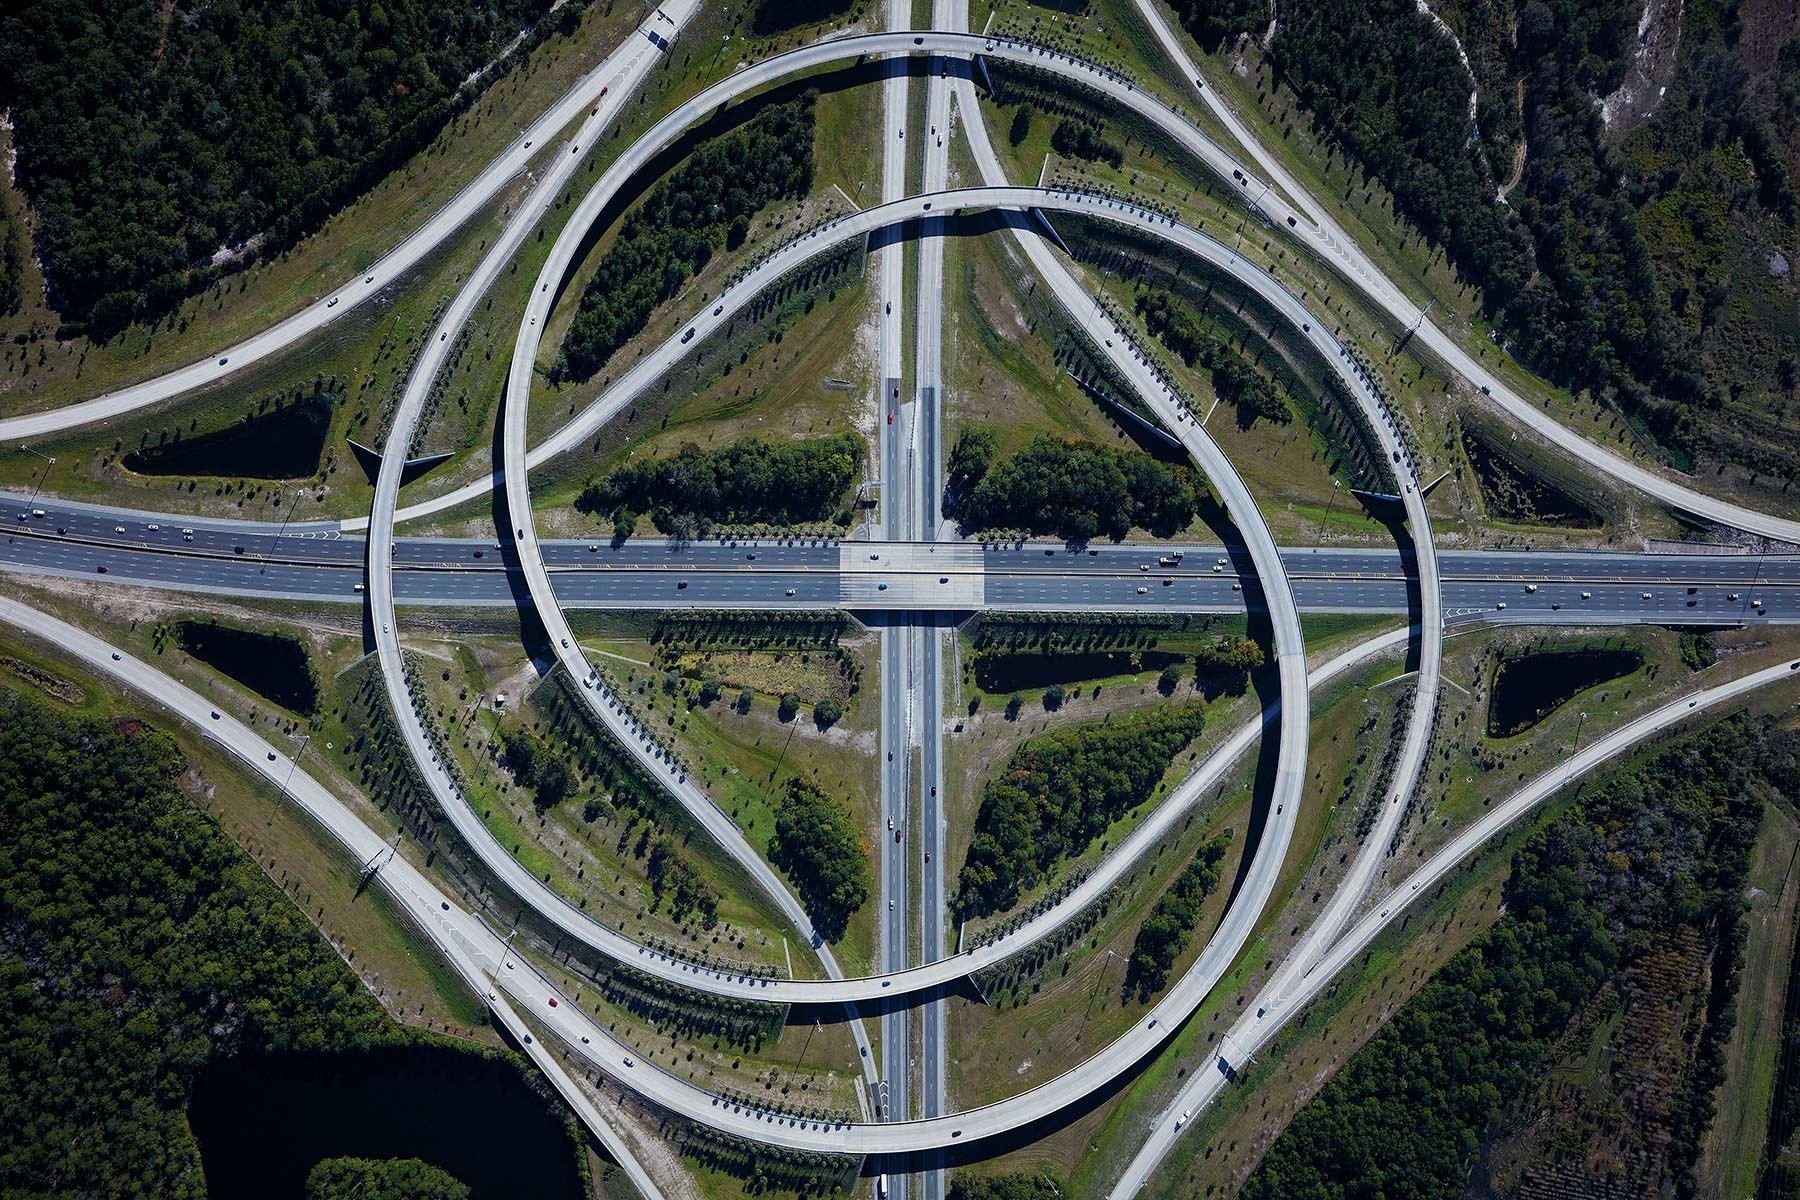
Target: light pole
1329 504
37 487
263 566
1750 594
1578 724
294 765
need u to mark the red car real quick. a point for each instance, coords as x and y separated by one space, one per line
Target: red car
890 418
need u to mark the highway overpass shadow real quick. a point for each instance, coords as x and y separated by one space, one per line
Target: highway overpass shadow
1392 516
531 626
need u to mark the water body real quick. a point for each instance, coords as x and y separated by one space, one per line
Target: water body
263 1122
1531 687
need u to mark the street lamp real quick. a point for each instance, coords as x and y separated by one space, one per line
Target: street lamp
1578 723
1329 504
299 495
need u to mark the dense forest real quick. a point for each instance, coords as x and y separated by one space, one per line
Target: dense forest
1637 258
1166 932
13 256
381 1179
138 944
707 202
749 482
1058 792
817 843
157 140
1074 490
1651 858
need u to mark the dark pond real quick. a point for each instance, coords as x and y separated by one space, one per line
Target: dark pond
274 665
264 1122
1010 672
1523 497
1530 687
285 443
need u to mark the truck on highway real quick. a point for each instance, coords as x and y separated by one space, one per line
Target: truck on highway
881 1187
1169 560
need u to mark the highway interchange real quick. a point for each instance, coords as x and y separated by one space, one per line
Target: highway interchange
312 562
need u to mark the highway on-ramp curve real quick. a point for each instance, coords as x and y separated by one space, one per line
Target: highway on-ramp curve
1274 1008
454 931
390 267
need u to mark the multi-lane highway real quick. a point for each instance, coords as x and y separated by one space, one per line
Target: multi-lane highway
649 574
905 574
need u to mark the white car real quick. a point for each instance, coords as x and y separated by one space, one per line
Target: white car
1142 590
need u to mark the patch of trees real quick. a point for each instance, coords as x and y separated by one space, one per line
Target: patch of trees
1166 931
1074 490
675 879
140 944
12 259
535 765
778 16
150 137
1075 137
1021 125
707 202
816 842
1213 21
1060 791
273 665
749 482
1035 1185
1660 848
382 1179
1235 380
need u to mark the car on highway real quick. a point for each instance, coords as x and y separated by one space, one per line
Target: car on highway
223 361
790 591
881 587
1143 590
116 656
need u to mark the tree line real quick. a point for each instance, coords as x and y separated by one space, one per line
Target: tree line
817 843
707 202
1660 848
1058 792
1174 920
150 138
1234 379
749 482
1074 490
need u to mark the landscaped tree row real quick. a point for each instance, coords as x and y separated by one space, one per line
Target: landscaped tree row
707 202
1234 379
1060 791
1651 859
749 482
1074 490
152 137
1166 931
817 843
